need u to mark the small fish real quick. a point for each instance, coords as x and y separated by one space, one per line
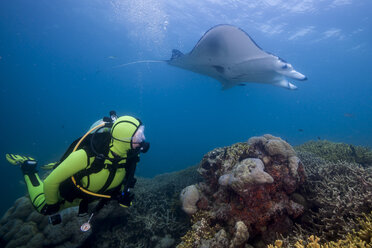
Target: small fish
319 138
349 115
1 57
111 57
300 130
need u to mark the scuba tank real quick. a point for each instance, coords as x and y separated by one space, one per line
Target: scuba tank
113 117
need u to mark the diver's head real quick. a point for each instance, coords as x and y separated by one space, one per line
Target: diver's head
127 133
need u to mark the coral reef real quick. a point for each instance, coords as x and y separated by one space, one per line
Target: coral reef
155 219
246 191
22 226
249 171
361 238
241 234
334 152
203 233
238 196
337 194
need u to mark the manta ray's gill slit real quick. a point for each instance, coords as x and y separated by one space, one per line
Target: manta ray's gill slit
219 68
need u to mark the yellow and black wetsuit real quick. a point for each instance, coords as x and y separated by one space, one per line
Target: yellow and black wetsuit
57 185
58 188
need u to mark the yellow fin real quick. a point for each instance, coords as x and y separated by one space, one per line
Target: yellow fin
17 159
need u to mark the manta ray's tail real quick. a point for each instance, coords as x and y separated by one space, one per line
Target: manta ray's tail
141 61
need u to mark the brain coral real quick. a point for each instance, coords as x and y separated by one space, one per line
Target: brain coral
248 172
189 196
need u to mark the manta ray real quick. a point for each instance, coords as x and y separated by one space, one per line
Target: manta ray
229 54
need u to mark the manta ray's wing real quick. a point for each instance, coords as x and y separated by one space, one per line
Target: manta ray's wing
229 55
225 44
220 49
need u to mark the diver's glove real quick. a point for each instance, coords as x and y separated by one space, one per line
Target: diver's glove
50 209
125 199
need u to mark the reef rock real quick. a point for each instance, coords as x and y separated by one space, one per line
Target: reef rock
241 234
247 188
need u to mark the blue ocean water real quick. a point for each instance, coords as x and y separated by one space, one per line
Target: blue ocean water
58 75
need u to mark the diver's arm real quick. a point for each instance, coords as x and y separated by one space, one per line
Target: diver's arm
126 197
74 163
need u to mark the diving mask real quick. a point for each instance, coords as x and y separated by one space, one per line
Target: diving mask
137 142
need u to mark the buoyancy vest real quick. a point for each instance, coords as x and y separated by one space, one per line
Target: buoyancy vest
100 143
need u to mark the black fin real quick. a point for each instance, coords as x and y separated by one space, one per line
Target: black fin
176 54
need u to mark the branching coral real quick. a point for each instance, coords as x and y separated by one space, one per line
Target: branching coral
334 152
338 194
201 231
356 239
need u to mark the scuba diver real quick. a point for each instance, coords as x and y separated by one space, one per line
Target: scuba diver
100 165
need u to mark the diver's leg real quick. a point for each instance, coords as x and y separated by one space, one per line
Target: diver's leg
34 184
35 187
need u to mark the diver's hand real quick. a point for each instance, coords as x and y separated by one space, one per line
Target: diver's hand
126 199
50 209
